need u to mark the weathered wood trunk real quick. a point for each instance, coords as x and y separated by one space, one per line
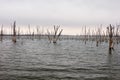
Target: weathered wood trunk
14 32
85 34
110 32
1 33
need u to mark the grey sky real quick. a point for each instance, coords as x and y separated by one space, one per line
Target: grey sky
64 12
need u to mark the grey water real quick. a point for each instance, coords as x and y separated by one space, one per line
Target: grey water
65 60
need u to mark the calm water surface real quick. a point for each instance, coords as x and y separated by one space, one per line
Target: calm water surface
66 60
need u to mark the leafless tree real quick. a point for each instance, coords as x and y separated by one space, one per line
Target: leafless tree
56 34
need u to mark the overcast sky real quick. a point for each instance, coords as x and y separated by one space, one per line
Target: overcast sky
60 12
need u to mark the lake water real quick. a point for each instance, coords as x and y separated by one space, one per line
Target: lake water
65 60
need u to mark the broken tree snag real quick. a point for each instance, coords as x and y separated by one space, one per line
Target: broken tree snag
33 35
29 32
1 33
85 35
18 31
49 36
110 33
14 32
117 33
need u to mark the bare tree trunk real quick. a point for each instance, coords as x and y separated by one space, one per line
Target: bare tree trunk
1 33
110 31
49 36
14 32
29 32
19 33
85 34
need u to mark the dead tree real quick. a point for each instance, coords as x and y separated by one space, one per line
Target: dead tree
117 33
33 35
49 36
56 34
37 35
110 33
18 32
85 34
1 33
29 31
14 32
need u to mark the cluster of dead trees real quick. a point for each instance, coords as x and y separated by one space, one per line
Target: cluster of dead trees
100 35
110 35
53 36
